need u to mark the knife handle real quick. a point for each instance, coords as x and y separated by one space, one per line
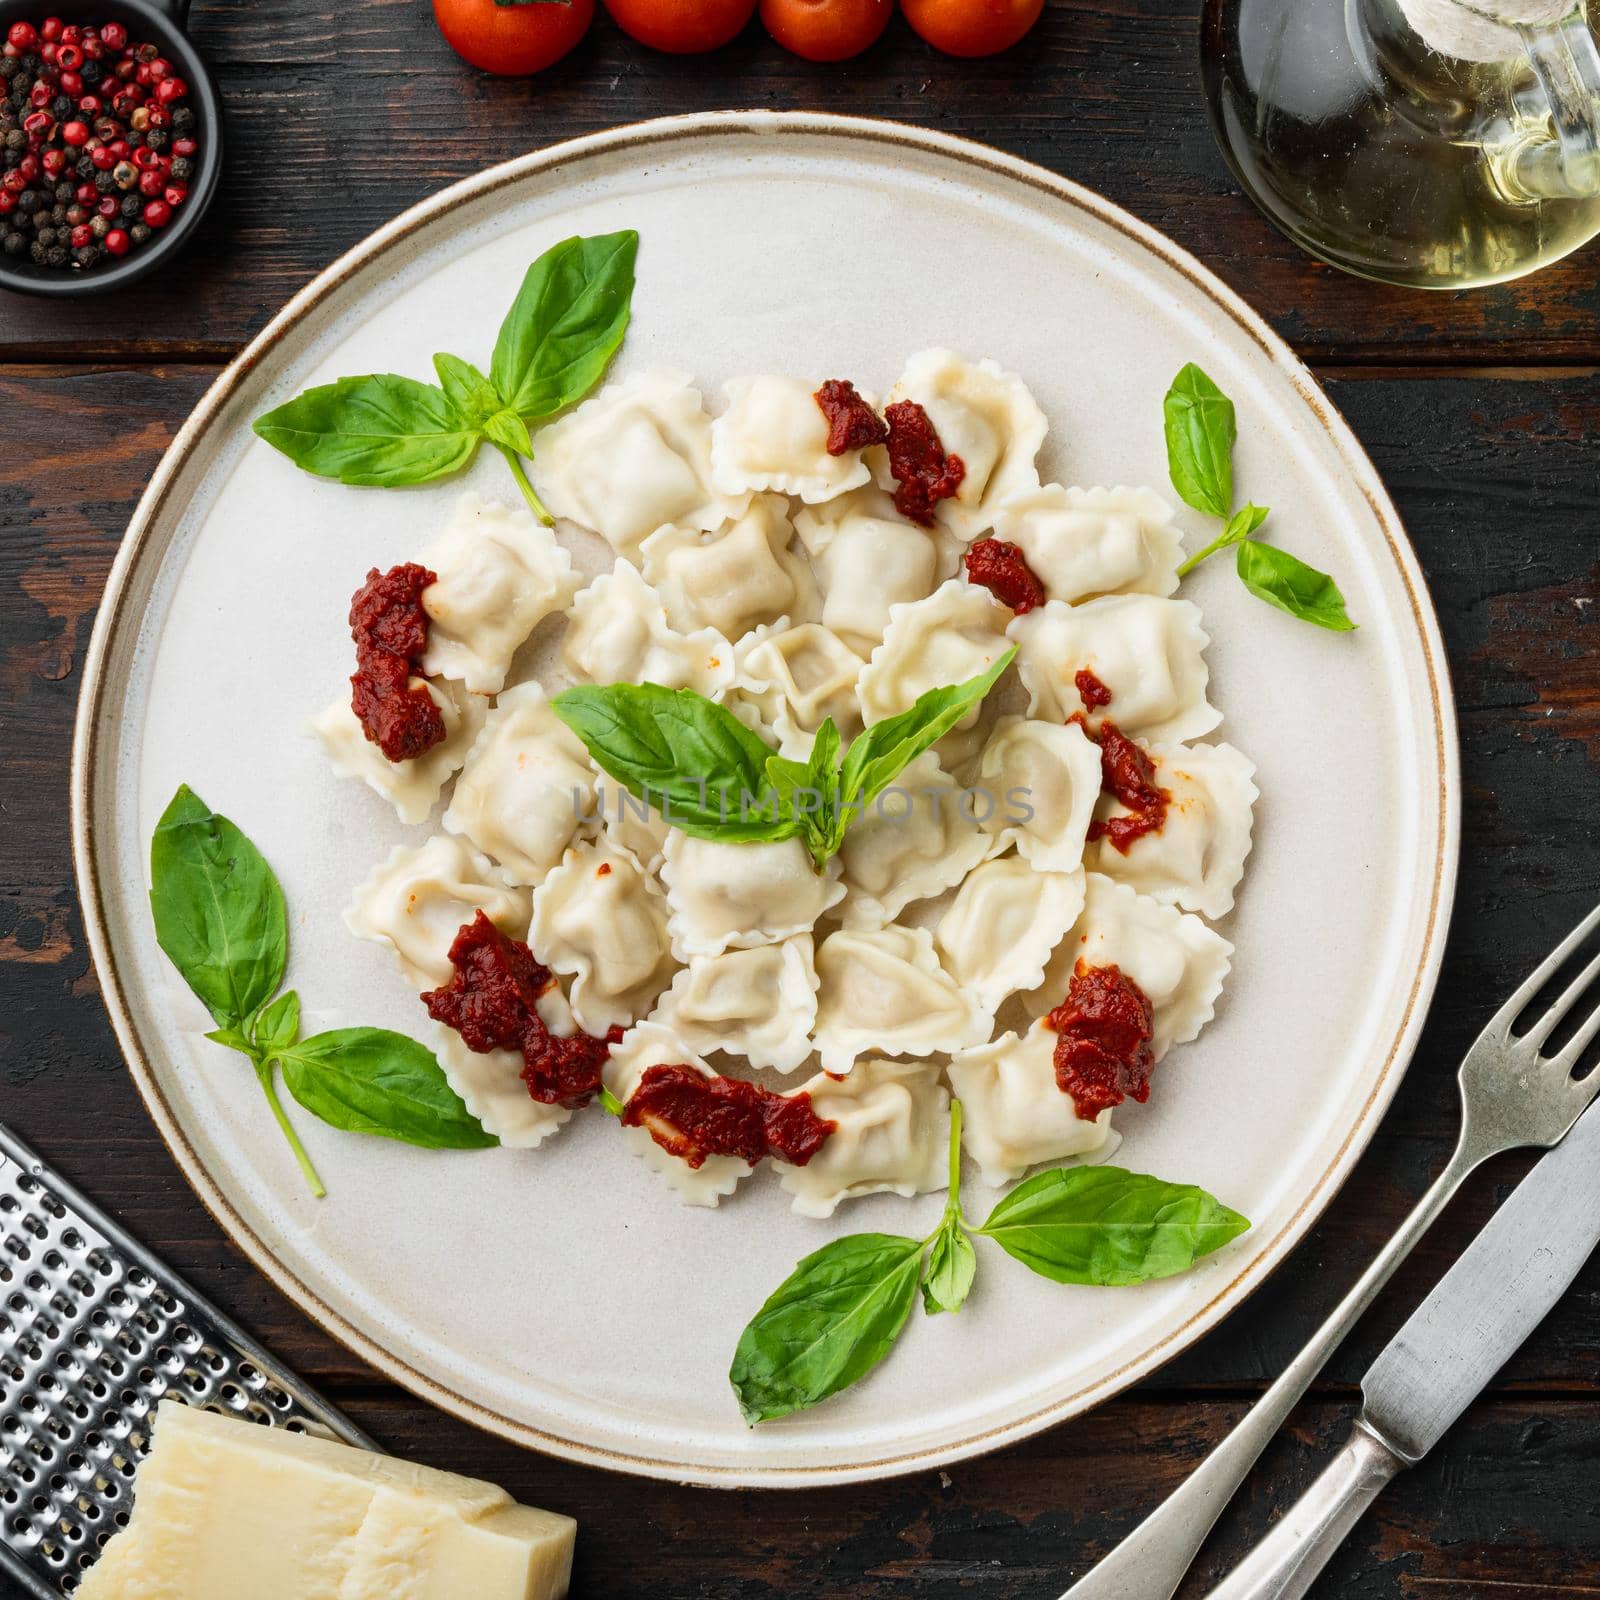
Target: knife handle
1286 1563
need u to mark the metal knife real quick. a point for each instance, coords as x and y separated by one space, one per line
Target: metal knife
1484 1307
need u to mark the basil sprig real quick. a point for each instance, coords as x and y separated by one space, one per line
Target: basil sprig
220 917
1201 430
557 339
836 1316
713 777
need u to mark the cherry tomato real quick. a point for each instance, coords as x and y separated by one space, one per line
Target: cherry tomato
513 39
971 27
682 27
826 30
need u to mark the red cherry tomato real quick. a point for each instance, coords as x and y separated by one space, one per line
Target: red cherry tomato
682 27
513 39
971 27
826 30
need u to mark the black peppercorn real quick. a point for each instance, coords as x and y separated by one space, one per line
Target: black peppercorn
61 107
46 237
91 72
104 182
57 256
31 65
139 232
19 95
28 201
37 253
182 169
58 215
99 227
87 256
16 140
15 244
182 119
132 205
64 192
9 67
84 168
156 138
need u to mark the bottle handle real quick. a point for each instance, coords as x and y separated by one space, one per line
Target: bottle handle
1565 58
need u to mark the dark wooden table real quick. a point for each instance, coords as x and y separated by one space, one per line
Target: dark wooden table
1483 414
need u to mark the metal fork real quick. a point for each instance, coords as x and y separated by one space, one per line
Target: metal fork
1512 1097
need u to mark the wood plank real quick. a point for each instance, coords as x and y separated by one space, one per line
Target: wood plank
340 116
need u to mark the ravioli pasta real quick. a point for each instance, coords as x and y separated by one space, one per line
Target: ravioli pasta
725 550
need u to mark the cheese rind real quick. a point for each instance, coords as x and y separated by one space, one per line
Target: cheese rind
228 1510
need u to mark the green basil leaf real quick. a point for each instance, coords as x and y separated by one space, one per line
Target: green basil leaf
277 1026
506 429
1284 581
218 909
879 755
682 753
827 1325
952 1265
1243 523
377 430
1105 1225
467 389
565 324
234 1039
823 763
1200 431
369 1080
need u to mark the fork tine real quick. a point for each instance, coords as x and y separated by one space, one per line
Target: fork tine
1542 1029
1501 1021
1567 1057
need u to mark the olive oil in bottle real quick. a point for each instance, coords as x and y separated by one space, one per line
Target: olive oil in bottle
1380 152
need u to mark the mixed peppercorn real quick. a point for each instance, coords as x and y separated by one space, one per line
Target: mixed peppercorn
100 146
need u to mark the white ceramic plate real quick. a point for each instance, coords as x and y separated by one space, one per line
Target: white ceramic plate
559 1296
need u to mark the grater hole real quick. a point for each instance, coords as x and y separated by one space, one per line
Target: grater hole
294 1425
34 1226
80 1284
232 1395
9 1203
54 1261
281 1399
73 1240
18 1249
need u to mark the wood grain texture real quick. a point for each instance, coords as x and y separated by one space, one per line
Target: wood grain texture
1495 477
340 115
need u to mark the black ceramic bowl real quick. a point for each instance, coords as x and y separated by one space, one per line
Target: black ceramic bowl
159 22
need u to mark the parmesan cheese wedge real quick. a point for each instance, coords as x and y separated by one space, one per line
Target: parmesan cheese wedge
228 1510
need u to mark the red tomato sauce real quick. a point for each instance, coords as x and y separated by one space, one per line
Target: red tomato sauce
390 629
1128 775
1091 690
694 1117
1004 571
1103 1054
923 474
492 999
852 423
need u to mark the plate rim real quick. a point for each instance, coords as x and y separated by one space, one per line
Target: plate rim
970 153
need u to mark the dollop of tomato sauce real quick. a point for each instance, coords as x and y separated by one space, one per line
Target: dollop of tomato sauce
923 474
695 1117
492 1001
390 629
852 423
1004 571
1103 1054
1091 690
1127 773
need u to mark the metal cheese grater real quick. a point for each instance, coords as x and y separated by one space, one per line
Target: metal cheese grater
93 1332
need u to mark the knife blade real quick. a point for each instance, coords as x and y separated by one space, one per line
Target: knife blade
1483 1309
1479 1314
